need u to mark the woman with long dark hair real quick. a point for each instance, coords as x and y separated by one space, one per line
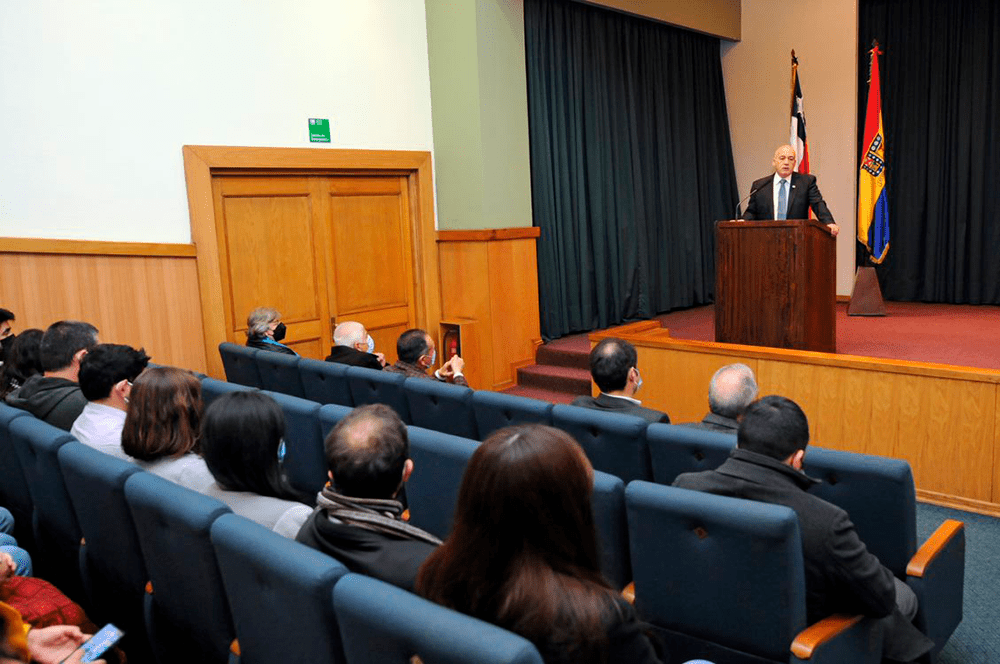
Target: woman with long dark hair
163 424
523 552
240 439
23 361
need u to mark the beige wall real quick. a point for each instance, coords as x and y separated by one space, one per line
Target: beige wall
757 74
720 18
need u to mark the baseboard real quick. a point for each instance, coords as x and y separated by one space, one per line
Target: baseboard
958 503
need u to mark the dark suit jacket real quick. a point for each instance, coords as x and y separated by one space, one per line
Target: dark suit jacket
713 422
353 357
617 405
803 194
413 371
842 576
259 344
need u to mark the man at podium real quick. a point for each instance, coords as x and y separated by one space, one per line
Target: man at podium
786 194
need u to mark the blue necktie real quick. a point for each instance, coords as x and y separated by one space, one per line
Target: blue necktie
782 200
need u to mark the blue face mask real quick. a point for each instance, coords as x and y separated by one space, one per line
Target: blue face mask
434 356
371 344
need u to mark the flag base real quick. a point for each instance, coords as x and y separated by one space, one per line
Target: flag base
866 299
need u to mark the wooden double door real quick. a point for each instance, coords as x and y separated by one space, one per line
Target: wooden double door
319 248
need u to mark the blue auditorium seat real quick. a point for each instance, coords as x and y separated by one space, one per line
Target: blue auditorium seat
439 460
280 373
212 389
371 386
186 611
325 382
305 462
14 493
280 592
722 579
612 528
382 624
496 410
613 442
329 415
240 364
441 407
675 449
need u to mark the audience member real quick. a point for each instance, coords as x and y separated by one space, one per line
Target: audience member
613 368
355 346
162 426
523 552
842 576
358 520
20 643
240 440
417 353
265 331
13 559
55 396
106 376
7 335
732 389
24 360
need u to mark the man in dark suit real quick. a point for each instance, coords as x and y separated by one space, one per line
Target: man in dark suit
786 194
613 368
732 389
842 576
354 346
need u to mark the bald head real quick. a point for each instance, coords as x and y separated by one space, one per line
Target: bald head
350 333
367 452
732 389
784 160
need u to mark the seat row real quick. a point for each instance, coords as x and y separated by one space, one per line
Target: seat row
190 581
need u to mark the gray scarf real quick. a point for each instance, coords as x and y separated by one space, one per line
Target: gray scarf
377 514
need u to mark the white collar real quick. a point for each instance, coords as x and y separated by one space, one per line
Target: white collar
778 178
622 396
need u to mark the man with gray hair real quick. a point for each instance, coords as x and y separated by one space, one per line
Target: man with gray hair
732 389
354 346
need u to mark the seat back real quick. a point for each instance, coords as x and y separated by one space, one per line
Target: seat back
14 493
496 410
439 461
441 407
675 449
878 494
305 463
382 624
371 386
719 570
325 382
280 373
612 528
187 610
240 364
614 443
111 563
280 594
212 389
329 415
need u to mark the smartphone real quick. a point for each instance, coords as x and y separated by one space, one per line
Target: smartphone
99 643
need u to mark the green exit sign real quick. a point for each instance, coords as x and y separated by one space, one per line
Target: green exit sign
319 130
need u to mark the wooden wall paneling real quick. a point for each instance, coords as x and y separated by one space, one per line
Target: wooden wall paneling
513 283
996 447
466 294
427 275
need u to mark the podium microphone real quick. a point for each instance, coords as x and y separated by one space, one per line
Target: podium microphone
743 200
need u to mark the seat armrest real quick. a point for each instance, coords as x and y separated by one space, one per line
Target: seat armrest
629 593
839 638
932 549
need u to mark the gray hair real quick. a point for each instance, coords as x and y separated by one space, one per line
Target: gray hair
349 333
260 319
732 389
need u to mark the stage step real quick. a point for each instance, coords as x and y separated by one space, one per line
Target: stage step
569 381
563 357
543 395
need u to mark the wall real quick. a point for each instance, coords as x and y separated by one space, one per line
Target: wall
99 97
757 73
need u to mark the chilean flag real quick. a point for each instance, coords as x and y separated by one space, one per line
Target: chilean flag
797 130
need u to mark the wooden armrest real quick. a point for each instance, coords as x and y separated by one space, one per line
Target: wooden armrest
405 516
149 587
234 647
629 593
819 633
932 547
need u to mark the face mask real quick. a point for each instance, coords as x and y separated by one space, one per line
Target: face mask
638 382
279 332
434 355
371 344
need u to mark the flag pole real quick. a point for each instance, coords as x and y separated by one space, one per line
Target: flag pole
791 95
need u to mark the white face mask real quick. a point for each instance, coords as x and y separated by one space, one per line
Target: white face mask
371 344
638 382
434 355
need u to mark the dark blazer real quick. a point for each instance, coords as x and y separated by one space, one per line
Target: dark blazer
413 371
842 576
353 357
617 405
260 344
802 195
713 422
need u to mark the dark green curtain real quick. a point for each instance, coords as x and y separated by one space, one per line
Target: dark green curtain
941 114
631 164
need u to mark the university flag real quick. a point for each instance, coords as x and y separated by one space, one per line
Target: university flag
797 128
873 206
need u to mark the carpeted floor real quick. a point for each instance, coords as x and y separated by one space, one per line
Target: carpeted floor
977 638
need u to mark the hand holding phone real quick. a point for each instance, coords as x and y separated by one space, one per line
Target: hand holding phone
95 646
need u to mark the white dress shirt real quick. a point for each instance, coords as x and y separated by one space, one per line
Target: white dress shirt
100 426
774 192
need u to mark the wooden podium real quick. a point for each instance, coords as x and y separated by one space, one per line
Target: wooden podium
775 284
